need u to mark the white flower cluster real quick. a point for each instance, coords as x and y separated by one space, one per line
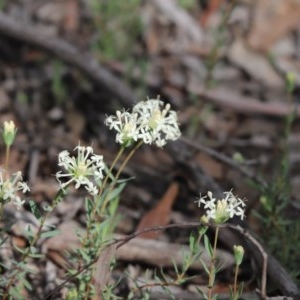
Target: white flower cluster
223 209
150 121
82 169
11 187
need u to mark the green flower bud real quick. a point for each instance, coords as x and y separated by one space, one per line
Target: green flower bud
204 219
9 132
221 214
238 254
290 81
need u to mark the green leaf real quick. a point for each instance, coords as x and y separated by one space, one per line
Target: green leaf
50 233
116 192
27 284
192 242
208 246
25 268
15 293
175 266
47 208
204 266
35 210
37 255
89 205
241 288
20 250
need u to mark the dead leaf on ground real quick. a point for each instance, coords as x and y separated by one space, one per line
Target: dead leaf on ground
71 17
160 214
102 271
255 64
273 20
66 240
163 254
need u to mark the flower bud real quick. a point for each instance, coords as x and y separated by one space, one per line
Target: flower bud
290 81
238 254
221 214
9 132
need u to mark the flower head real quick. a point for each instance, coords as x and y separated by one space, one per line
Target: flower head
150 121
10 188
159 122
82 169
126 125
9 132
223 209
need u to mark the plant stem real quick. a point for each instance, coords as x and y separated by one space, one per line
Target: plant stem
236 271
212 271
105 202
98 198
7 154
1 210
110 169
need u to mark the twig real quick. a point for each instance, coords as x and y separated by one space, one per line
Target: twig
69 54
224 97
263 253
273 269
224 159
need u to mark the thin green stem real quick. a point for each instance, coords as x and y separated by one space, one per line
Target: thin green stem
106 199
7 155
111 168
1 210
105 202
212 269
98 198
236 271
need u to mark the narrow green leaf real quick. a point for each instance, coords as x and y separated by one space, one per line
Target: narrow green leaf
192 242
49 234
208 246
35 210
204 266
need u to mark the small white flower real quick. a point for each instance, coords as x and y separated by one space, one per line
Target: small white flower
223 209
18 202
159 123
208 204
83 170
91 188
11 187
126 125
150 121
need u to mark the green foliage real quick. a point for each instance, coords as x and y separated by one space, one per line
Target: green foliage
187 4
96 241
117 25
57 86
281 232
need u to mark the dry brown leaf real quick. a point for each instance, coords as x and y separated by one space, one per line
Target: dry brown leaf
163 254
102 271
256 64
160 214
272 20
71 17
